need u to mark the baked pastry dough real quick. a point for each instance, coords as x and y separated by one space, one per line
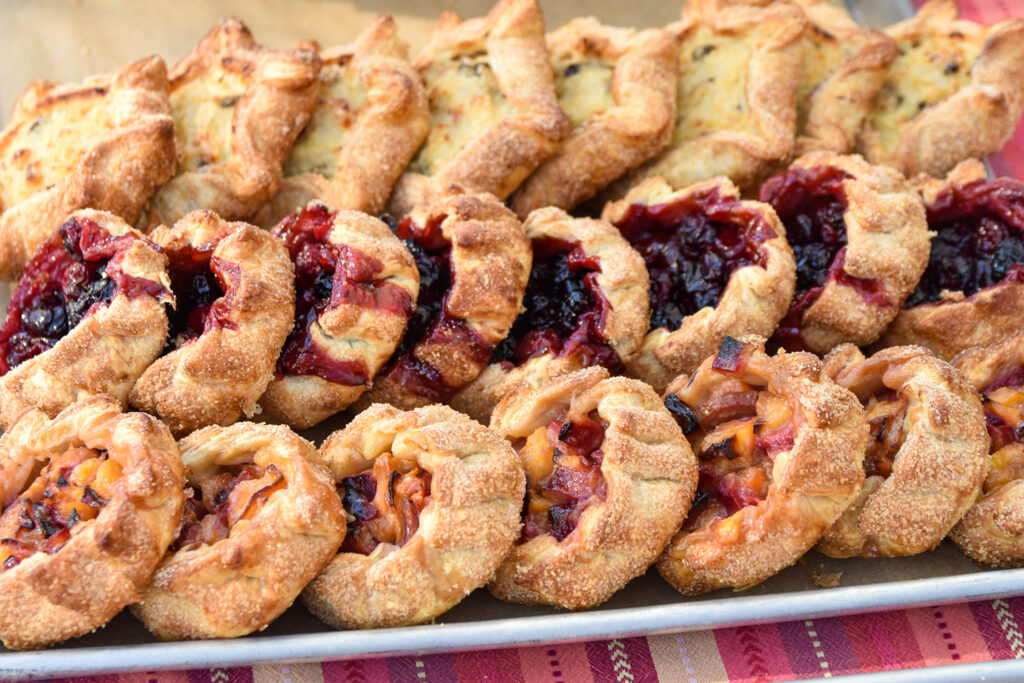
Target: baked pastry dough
494 115
719 266
237 107
234 286
261 520
972 292
586 304
780 447
861 242
925 458
106 143
433 503
951 94
474 263
355 286
609 480
92 499
618 88
371 116
86 318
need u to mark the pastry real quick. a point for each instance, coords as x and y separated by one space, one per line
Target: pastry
235 300
494 115
780 449
371 115
618 88
106 143
237 107
719 266
609 478
951 94
355 287
585 304
925 459
474 262
861 243
432 500
87 317
92 499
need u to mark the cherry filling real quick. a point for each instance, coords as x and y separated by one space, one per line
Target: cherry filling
326 276
201 285
691 247
384 504
74 273
979 241
1003 401
222 500
71 489
565 309
885 413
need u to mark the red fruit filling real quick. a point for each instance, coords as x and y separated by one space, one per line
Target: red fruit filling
691 247
74 273
979 241
384 504
1003 401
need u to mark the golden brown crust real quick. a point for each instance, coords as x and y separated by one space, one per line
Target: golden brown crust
953 93
49 598
939 467
812 482
466 528
237 107
498 64
106 143
621 101
219 376
241 583
108 350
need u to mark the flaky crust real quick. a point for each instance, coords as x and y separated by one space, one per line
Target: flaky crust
237 107
812 482
753 302
466 528
106 143
355 333
650 473
938 470
615 132
491 155
220 375
240 584
49 598
370 118
623 282
108 350
970 110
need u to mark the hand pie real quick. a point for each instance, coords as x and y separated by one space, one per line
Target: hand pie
925 459
235 299
433 501
474 263
494 115
261 520
952 93
585 304
780 449
609 478
237 107
618 88
106 143
88 317
355 287
861 242
719 266
92 499
371 116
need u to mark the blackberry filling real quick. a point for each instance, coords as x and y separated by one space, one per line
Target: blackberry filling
383 505
979 241
196 280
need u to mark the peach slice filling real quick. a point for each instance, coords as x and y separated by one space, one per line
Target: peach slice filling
383 505
885 415
1004 417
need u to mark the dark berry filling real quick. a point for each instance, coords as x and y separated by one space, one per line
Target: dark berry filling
383 505
979 241
200 283
691 247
